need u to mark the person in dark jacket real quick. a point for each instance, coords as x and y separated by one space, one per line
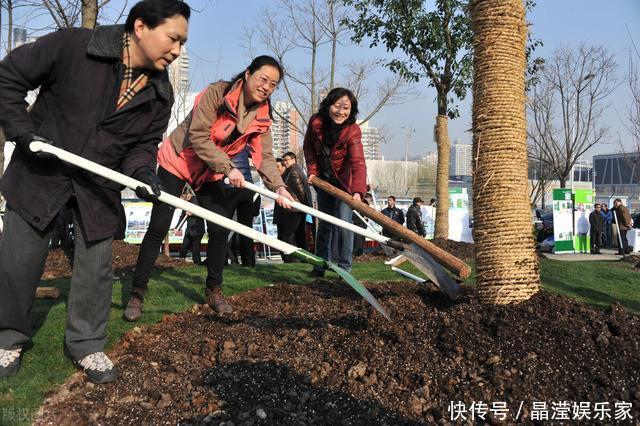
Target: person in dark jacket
288 221
290 159
596 227
359 240
624 222
414 217
193 233
333 152
608 218
104 95
393 213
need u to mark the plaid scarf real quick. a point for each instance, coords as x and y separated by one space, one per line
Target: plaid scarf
130 87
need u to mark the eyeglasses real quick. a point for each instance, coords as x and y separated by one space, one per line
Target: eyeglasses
265 81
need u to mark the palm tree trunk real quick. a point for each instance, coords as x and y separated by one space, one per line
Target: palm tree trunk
442 178
507 266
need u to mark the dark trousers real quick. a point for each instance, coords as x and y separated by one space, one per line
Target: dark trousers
23 252
596 240
161 216
224 200
625 244
244 215
301 233
191 242
288 224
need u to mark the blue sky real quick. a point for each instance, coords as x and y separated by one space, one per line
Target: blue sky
215 39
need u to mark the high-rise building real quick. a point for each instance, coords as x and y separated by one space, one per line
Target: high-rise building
285 135
460 159
179 74
371 140
430 158
19 37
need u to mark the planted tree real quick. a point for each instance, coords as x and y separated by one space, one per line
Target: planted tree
437 45
507 267
566 106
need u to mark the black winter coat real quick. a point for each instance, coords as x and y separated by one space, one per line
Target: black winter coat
79 72
414 220
596 221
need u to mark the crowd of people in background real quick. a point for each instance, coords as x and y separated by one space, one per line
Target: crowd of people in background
609 227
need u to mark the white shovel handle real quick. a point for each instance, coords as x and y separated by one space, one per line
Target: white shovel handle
320 215
164 197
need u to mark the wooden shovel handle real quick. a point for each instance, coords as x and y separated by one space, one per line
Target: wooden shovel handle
447 260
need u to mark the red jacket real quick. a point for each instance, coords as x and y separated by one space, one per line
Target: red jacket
347 155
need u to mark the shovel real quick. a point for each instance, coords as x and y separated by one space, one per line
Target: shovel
210 216
415 254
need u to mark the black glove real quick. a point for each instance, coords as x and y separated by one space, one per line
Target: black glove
148 176
23 141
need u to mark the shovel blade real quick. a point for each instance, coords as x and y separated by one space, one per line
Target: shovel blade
432 269
357 286
312 259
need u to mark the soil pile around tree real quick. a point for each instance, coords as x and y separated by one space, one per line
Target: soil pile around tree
319 354
125 255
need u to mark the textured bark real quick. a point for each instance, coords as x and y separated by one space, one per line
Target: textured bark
89 13
442 178
507 266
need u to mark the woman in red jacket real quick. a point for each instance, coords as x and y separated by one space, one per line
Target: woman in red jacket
230 124
333 152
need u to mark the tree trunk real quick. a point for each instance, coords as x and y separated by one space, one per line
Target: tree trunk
89 13
507 267
9 25
442 178
3 140
563 183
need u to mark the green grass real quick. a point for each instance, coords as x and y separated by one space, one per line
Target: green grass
44 365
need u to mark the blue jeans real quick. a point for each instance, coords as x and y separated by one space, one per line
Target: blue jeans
328 233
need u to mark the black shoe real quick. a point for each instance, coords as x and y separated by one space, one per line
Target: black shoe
9 362
316 273
98 367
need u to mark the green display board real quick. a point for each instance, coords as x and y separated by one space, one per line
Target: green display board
563 220
583 202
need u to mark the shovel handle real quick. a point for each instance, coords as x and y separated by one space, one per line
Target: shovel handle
320 215
448 260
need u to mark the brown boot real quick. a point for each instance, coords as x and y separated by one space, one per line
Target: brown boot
133 310
215 299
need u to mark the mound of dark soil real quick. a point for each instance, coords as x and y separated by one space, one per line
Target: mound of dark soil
58 264
319 354
461 250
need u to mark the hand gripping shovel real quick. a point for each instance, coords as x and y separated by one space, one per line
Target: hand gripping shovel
179 203
415 254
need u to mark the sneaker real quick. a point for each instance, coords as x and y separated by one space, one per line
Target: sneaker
133 311
98 368
215 299
9 361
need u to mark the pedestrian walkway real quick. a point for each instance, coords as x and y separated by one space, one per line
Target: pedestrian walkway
607 254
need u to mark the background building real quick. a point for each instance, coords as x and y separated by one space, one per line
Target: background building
179 73
371 140
460 159
285 136
618 175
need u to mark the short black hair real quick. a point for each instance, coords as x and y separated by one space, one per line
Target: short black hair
596 205
290 154
391 196
433 200
155 12
280 161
